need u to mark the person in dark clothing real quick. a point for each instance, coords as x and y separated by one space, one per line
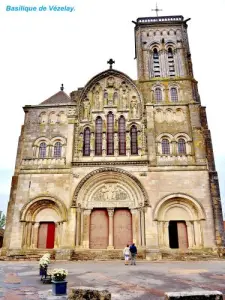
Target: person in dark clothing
133 251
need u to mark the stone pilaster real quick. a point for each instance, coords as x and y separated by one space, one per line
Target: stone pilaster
86 227
111 214
135 226
190 233
78 226
151 134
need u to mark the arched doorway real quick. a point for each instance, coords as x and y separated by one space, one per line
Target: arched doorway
43 223
179 222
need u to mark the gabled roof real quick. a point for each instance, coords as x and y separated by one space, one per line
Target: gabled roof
58 98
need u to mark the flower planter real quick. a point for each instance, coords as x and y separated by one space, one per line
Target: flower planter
59 287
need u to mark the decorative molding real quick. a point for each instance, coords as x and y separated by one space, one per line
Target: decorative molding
114 170
110 163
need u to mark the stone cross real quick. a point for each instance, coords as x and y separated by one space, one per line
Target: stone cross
62 87
111 62
156 10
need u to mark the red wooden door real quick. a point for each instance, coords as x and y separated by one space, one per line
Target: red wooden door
50 236
182 235
99 229
122 228
46 235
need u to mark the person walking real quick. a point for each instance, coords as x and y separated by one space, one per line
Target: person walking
126 254
133 251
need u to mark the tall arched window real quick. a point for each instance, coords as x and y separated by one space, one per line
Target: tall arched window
86 142
158 94
173 94
122 136
42 150
181 146
110 134
165 147
57 150
133 140
156 65
98 136
171 62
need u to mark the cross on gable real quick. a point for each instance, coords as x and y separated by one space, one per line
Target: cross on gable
156 10
111 62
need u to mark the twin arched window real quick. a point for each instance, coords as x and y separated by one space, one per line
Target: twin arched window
173 94
57 150
165 147
181 146
42 150
158 94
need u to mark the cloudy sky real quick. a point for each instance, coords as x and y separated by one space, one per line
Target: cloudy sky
41 50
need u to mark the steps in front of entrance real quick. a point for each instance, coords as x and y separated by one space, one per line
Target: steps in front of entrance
101 254
28 254
187 255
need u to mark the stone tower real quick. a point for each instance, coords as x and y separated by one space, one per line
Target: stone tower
119 161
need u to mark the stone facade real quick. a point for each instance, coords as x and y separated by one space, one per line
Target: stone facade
119 160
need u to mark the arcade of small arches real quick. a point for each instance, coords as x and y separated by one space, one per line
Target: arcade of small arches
180 144
44 148
111 211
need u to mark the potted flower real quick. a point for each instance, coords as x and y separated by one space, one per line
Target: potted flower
59 285
43 263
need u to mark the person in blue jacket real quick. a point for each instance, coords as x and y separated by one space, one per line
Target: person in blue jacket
133 251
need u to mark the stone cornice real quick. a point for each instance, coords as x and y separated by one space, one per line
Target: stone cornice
111 163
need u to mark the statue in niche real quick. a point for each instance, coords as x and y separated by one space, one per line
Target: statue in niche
97 100
124 99
110 82
115 98
134 108
86 109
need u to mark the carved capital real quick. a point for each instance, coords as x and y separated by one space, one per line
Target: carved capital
133 211
110 212
87 212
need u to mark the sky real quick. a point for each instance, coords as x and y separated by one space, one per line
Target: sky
40 50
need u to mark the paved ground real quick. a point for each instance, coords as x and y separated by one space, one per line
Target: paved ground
146 280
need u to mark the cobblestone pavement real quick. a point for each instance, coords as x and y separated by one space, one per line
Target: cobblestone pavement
147 280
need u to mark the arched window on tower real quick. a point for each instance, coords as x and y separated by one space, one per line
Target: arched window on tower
86 142
98 136
42 150
57 150
158 95
122 136
173 94
156 64
133 140
181 146
165 147
171 62
110 134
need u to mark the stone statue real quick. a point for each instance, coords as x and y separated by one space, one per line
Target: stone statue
124 100
86 109
134 108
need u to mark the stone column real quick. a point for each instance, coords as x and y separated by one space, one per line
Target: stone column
81 226
197 233
143 211
29 232
56 241
139 228
190 233
110 213
166 234
35 227
24 235
86 227
135 226
78 227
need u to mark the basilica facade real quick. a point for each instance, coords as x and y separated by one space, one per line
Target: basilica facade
119 160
